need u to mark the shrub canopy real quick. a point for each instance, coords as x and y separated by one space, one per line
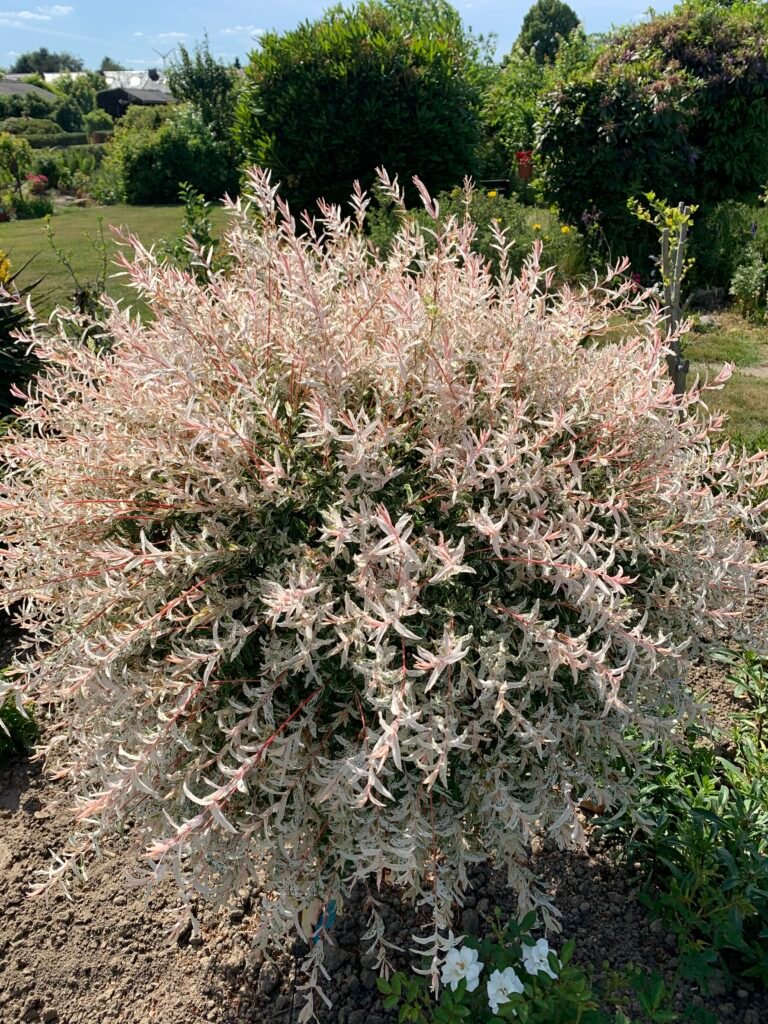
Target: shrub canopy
678 105
336 566
153 151
376 85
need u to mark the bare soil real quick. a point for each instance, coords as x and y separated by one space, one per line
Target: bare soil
105 959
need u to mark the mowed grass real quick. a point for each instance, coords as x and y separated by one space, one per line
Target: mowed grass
731 339
76 231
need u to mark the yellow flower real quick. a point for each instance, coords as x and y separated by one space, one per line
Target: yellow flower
492 194
537 227
565 230
5 267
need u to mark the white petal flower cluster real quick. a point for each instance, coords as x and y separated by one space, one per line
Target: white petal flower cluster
461 965
501 985
338 566
536 958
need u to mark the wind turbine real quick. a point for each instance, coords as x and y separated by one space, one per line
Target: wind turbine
164 56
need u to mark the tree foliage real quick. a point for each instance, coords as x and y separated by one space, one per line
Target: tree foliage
107 64
515 98
154 150
678 106
327 103
44 61
208 84
545 26
15 160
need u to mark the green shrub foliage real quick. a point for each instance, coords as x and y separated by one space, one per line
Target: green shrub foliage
151 154
677 105
330 101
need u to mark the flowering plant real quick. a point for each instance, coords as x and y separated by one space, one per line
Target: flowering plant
5 266
38 183
340 566
509 975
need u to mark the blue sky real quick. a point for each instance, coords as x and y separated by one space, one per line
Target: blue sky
132 32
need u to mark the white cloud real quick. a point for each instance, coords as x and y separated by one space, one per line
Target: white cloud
172 35
138 33
39 14
242 30
25 15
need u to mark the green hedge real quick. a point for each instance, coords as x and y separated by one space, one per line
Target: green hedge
60 140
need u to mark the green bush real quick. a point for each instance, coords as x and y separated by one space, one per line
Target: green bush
705 841
678 105
98 121
59 140
327 103
60 165
69 116
29 126
748 284
722 236
148 164
513 101
28 105
32 207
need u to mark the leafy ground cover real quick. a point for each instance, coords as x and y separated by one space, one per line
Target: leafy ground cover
76 229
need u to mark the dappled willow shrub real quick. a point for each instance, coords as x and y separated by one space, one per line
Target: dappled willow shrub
342 569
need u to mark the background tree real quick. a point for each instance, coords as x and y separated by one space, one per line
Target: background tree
677 106
544 26
107 64
378 84
15 160
514 100
208 84
44 61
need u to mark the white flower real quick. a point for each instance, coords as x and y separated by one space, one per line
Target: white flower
501 985
461 963
535 958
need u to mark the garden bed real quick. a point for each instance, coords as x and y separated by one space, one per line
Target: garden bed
104 957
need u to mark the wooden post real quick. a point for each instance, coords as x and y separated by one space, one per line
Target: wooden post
672 268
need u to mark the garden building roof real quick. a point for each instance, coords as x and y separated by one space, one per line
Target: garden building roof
12 87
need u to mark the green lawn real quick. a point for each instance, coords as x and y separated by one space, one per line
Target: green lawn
731 339
734 340
26 239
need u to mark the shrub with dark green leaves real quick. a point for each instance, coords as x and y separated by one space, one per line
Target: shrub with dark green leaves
149 158
705 847
28 126
678 105
330 101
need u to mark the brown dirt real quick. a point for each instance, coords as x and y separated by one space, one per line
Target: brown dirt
104 958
